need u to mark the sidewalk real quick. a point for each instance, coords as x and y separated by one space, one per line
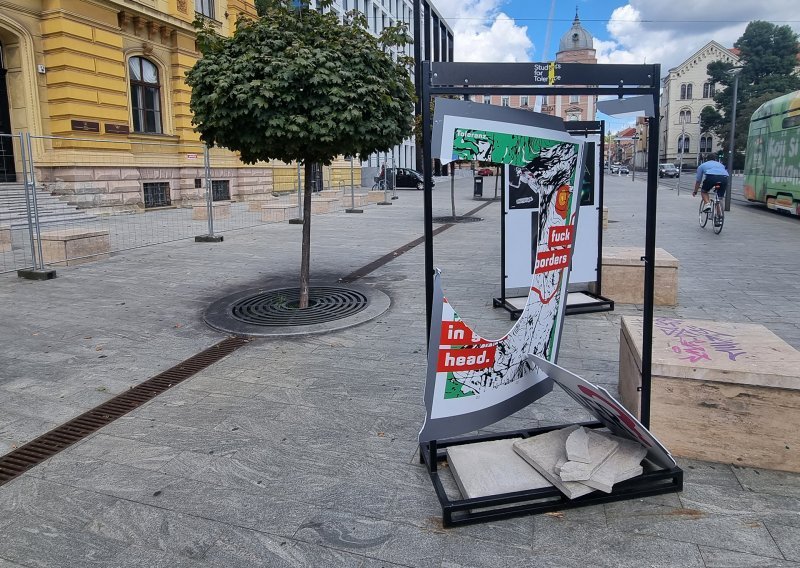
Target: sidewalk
301 452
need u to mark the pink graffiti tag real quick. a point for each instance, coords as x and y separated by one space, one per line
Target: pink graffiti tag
719 342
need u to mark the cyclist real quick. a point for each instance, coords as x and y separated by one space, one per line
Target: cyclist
715 173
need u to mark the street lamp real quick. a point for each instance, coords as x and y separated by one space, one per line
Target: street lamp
736 71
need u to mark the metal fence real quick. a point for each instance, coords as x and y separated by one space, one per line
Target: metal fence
77 199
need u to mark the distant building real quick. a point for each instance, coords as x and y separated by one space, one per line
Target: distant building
575 46
687 90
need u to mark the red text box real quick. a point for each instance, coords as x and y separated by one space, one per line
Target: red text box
452 360
561 236
551 260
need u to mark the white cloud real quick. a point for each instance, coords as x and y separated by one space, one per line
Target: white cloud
482 32
653 31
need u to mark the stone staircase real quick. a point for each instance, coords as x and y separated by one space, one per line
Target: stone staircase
13 211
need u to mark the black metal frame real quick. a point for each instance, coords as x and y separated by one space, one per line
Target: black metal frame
457 512
540 79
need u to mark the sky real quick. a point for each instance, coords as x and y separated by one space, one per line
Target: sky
633 31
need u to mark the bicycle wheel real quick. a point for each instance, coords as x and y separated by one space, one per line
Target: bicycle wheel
719 219
703 215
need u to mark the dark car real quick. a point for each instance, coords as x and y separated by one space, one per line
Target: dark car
485 172
405 177
668 170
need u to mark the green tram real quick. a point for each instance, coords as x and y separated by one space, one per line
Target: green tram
772 163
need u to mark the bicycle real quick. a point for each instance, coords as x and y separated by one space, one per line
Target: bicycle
715 213
380 184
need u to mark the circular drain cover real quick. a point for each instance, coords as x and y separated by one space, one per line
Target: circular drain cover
280 307
275 312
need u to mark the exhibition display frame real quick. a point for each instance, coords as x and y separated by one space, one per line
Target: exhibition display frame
434 79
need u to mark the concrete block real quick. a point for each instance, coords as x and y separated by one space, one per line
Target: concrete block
623 276
492 468
74 246
222 210
275 213
624 463
578 446
544 451
722 392
5 238
377 196
324 204
600 449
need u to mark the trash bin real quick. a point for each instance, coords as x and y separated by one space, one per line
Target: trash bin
478 188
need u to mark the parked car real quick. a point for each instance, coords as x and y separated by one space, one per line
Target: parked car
485 172
406 177
668 170
623 170
614 168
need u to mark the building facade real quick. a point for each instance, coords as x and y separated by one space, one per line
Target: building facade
687 90
99 84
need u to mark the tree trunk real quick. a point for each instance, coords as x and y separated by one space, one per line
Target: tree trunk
305 255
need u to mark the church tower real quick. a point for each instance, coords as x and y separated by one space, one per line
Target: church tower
576 46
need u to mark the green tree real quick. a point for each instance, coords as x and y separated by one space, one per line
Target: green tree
296 84
768 56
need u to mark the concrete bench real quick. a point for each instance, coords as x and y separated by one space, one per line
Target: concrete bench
5 238
605 217
69 247
361 199
378 196
722 392
277 212
255 205
623 276
325 204
222 210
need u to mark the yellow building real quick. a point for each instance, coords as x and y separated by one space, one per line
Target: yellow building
100 86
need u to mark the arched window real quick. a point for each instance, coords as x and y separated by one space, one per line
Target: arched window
683 144
689 91
683 91
685 116
145 96
708 90
705 143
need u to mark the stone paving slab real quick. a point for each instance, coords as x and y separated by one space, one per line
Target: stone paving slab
328 424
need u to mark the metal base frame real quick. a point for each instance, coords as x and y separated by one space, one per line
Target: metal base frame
601 304
457 512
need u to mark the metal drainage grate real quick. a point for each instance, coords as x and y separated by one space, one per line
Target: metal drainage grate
280 307
47 445
457 219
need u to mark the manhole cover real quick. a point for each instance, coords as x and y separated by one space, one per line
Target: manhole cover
275 312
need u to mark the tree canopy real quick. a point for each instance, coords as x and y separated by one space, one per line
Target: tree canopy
297 84
767 57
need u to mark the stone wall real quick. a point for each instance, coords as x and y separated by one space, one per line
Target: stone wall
103 189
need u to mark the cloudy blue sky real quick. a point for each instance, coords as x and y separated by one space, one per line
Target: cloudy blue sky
633 31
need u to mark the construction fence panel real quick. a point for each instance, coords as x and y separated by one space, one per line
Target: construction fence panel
16 215
99 196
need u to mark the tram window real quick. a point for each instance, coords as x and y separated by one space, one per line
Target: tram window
791 121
